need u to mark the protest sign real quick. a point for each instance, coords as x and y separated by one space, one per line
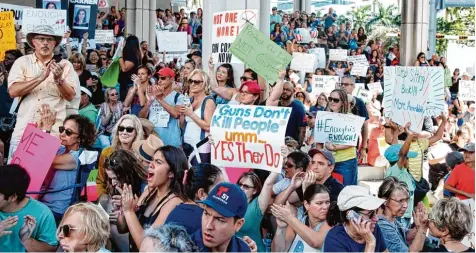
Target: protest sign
303 35
303 62
323 84
358 60
35 153
364 94
225 28
320 56
337 128
172 41
52 4
467 90
359 85
249 136
359 70
17 11
82 18
261 54
35 17
375 87
294 78
104 36
337 55
7 33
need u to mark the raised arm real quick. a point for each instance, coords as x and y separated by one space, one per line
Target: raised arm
275 95
224 92
267 191
439 133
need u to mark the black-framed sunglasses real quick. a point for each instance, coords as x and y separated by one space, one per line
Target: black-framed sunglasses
67 131
66 230
244 78
194 82
245 186
111 162
163 78
334 100
128 129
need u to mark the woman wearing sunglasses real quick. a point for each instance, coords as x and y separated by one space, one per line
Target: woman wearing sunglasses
76 133
197 116
421 60
96 89
127 131
163 193
110 112
84 228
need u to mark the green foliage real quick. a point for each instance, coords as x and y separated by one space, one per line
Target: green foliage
457 21
359 16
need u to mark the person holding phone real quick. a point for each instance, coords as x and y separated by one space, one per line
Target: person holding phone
351 232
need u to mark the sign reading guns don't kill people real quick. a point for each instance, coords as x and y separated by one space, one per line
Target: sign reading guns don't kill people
260 53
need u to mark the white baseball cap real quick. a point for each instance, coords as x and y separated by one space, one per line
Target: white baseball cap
357 196
85 90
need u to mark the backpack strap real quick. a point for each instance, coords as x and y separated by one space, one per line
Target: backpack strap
177 95
202 114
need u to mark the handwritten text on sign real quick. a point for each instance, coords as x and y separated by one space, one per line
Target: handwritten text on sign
35 153
256 50
467 90
104 36
320 55
17 11
303 62
172 41
323 84
249 136
35 17
337 128
337 55
226 27
7 33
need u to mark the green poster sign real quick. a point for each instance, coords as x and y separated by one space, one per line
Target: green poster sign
260 53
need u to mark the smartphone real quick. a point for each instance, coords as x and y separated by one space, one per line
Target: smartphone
352 215
58 58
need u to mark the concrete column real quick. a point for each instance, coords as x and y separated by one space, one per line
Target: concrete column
152 20
432 28
306 6
297 5
139 19
163 4
130 16
414 32
264 18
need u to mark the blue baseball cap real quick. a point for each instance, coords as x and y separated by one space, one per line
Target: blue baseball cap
228 200
392 153
328 155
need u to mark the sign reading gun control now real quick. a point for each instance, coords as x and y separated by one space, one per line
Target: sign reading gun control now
260 53
249 136
337 128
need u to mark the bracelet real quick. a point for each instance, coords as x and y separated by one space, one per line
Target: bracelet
47 131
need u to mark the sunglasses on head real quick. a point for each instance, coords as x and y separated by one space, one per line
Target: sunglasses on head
68 131
335 100
128 129
111 162
66 230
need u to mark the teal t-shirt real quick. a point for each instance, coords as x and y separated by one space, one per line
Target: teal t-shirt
404 175
252 226
45 230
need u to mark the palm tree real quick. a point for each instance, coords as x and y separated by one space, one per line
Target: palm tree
342 19
384 16
359 16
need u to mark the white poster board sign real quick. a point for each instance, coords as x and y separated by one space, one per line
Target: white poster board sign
363 94
249 136
225 28
17 11
303 62
337 55
35 17
320 56
358 60
375 87
337 128
303 35
172 41
324 84
104 36
467 90
359 70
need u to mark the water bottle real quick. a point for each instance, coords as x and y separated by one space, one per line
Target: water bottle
267 242
186 101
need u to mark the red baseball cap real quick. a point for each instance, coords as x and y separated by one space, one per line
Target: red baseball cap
253 87
167 72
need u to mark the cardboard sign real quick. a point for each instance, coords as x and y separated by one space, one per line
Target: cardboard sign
359 70
320 56
7 33
35 153
305 36
303 62
104 36
324 84
364 94
337 128
337 55
375 87
249 136
82 18
172 41
225 28
261 54
17 11
359 85
467 90
358 60
35 17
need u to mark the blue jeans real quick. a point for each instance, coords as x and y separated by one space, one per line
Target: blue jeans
348 170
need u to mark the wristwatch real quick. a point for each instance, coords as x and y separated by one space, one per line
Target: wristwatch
47 131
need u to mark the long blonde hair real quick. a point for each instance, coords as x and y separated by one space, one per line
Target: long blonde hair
137 125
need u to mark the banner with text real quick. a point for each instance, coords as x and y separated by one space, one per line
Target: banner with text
172 41
17 11
104 36
226 27
467 90
35 17
358 60
324 84
82 18
320 56
359 70
337 55
303 62
7 33
261 54
337 128
249 136
375 87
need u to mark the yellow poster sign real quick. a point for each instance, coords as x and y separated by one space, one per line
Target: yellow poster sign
7 33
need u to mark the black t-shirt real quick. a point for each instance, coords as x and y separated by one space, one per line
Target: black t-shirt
455 85
84 77
361 39
297 119
125 77
98 95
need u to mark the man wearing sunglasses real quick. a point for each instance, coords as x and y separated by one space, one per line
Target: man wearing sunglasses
162 108
26 225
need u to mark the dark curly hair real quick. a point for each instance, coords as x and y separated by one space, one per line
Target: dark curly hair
86 129
127 168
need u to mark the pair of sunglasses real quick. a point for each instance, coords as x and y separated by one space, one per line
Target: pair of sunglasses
128 129
244 78
66 230
67 131
111 162
335 100
195 82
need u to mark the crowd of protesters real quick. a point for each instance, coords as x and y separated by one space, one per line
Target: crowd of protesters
157 188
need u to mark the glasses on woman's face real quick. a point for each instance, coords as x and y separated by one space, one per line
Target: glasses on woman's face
194 82
103 59
245 186
67 229
128 129
401 201
67 131
368 215
244 78
113 94
334 100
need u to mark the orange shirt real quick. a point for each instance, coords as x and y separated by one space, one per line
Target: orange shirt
462 178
